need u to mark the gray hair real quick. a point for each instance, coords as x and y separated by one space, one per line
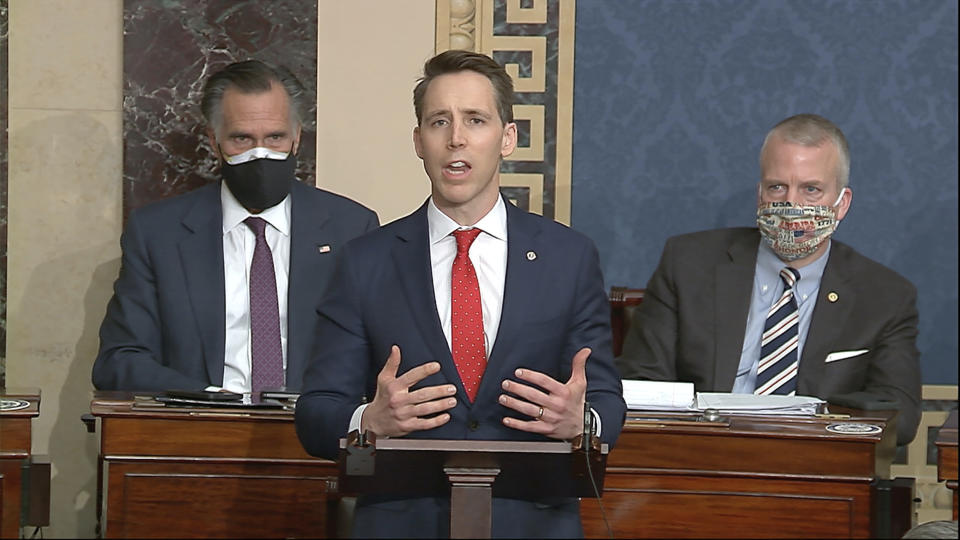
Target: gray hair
250 77
813 130
933 529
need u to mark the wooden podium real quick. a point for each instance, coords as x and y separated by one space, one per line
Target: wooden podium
200 472
471 472
745 477
15 447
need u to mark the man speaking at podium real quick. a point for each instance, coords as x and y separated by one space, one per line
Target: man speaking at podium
782 308
468 319
218 288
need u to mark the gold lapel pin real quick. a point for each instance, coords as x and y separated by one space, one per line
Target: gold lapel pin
531 255
832 296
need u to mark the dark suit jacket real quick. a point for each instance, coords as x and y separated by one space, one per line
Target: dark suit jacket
382 294
691 324
164 326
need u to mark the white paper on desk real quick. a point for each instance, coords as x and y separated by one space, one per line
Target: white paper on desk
755 404
658 395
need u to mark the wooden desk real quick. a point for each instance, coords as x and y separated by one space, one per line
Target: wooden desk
194 472
947 456
15 443
202 473
756 477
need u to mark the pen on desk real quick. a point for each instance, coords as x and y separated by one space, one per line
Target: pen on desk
220 414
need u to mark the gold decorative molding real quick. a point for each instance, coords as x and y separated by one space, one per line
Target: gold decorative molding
563 183
534 183
541 38
533 151
536 14
456 26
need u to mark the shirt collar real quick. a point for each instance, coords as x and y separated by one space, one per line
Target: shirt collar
493 223
234 213
769 265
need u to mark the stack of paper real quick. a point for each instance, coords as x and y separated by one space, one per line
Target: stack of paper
679 396
658 395
754 404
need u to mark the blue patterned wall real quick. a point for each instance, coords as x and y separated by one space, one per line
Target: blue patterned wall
673 98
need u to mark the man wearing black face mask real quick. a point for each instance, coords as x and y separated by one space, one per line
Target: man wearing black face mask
219 288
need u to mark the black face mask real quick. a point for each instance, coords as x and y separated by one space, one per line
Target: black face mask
260 183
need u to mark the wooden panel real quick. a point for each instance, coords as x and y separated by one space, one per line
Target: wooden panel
205 473
9 497
663 505
725 452
756 477
947 463
240 500
15 435
15 441
15 427
248 437
762 446
766 515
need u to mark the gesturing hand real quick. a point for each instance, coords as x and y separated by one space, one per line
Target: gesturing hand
396 411
557 411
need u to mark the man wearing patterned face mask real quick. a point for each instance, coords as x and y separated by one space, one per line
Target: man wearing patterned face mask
219 288
783 308
796 231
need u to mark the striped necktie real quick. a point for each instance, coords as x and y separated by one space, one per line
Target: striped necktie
777 371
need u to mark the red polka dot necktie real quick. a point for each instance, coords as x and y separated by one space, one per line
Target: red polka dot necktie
266 353
466 316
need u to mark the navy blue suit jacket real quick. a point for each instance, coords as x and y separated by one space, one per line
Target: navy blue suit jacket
382 294
165 325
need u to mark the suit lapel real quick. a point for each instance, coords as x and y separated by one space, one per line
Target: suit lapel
731 305
411 255
201 254
519 291
828 319
307 233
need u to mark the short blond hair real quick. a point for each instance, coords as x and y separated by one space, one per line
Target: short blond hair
813 130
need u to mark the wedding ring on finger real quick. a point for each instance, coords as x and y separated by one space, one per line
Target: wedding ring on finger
539 416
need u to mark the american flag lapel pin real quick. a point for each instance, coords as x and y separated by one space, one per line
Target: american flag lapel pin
324 248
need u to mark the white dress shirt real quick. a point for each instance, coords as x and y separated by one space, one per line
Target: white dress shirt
488 253
238 245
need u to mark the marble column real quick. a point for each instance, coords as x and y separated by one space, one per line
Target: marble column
169 50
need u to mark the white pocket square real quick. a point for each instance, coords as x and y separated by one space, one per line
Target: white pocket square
843 355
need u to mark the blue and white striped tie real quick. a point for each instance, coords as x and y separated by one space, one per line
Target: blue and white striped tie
777 372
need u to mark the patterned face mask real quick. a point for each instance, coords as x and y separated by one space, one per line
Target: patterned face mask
795 231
